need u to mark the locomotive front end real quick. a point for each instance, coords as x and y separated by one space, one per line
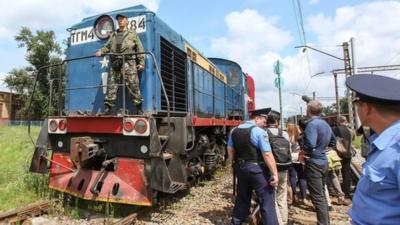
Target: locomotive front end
91 163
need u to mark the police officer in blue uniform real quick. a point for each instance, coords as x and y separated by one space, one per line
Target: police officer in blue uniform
377 197
255 167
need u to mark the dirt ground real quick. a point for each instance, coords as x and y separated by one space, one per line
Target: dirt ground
209 202
212 203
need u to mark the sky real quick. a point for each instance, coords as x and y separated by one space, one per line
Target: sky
253 33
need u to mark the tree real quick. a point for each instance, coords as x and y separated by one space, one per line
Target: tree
344 106
332 110
41 49
19 81
329 110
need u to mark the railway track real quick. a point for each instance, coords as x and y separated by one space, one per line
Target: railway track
132 218
18 216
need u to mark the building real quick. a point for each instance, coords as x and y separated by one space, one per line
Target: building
8 107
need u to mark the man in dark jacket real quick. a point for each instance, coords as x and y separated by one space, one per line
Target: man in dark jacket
342 130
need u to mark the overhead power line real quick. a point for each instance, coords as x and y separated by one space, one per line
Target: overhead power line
301 22
297 21
302 34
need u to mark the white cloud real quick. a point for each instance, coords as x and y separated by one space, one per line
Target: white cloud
251 32
253 41
56 14
374 25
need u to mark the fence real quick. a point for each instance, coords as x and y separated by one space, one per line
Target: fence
4 122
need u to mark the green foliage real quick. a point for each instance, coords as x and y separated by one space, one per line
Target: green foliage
40 47
357 142
331 109
42 50
20 81
344 106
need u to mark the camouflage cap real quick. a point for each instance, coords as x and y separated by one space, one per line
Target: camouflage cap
120 15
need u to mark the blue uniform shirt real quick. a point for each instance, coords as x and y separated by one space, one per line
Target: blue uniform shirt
258 137
377 199
317 135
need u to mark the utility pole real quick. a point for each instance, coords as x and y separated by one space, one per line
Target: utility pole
356 120
336 94
348 72
313 95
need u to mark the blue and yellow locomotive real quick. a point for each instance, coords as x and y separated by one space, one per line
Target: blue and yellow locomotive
190 103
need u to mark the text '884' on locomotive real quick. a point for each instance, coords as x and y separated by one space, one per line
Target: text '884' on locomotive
189 104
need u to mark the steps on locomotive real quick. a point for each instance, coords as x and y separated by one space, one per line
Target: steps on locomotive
176 186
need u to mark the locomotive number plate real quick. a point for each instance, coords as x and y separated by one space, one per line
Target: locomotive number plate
86 35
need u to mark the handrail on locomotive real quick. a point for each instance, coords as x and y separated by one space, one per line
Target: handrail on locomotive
88 87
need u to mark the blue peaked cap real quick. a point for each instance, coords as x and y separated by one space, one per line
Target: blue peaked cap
261 112
375 88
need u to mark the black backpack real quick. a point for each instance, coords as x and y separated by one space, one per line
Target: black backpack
280 149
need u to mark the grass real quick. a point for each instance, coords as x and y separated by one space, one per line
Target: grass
357 142
18 187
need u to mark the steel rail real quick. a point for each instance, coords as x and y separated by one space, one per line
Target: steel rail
17 216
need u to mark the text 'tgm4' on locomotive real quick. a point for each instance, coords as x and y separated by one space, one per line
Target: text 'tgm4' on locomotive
190 104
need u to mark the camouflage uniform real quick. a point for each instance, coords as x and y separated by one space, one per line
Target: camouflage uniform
130 43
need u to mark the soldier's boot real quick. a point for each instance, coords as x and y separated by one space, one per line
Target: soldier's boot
138 104
107 109
139 109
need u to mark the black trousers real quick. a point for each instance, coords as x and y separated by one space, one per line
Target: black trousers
252 176
316 181
346 174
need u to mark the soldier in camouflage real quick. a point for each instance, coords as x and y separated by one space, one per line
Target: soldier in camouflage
123 41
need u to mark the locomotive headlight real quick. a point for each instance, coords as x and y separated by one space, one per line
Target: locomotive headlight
144 149
134 126
57 126
62 125
141 126
103 27
53 125
128 126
